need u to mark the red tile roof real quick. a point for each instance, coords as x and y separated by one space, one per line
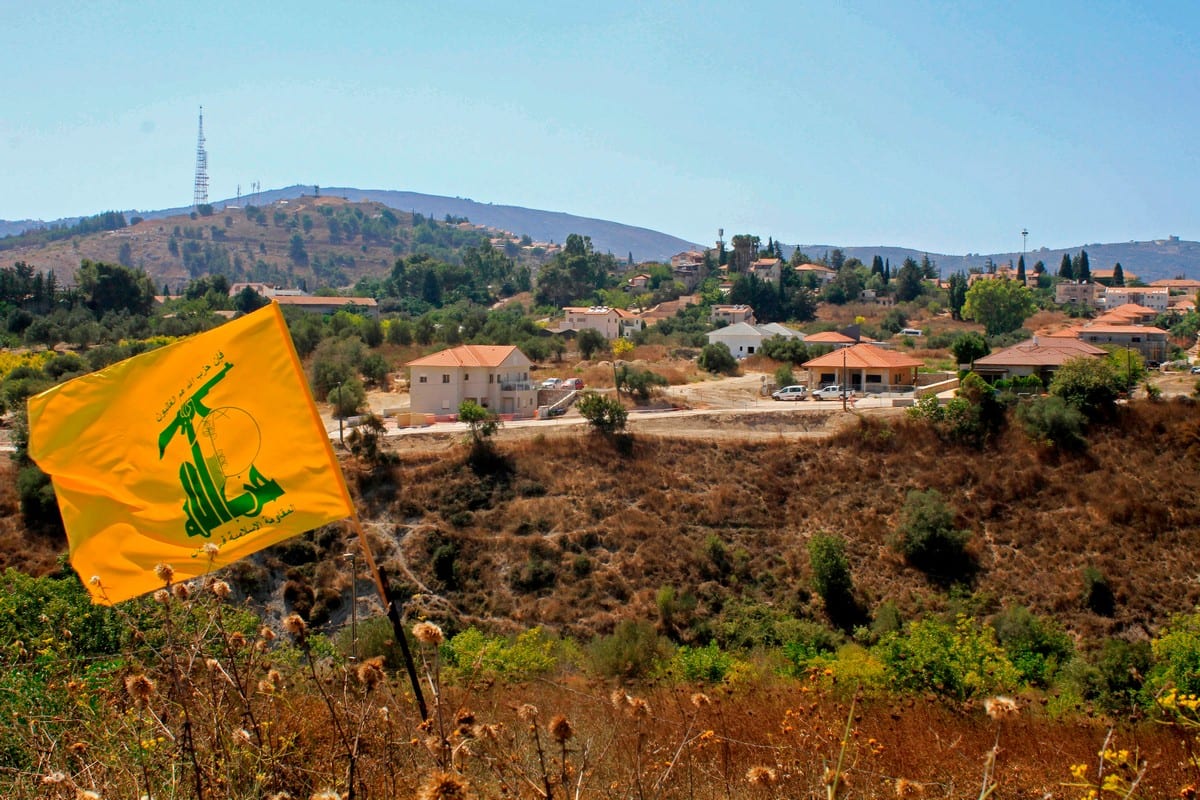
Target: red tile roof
863 356
829 337
1050 351
467 355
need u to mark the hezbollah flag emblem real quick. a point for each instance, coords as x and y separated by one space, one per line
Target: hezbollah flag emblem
211 440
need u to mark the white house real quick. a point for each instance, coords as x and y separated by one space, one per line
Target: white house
744 339
601 318
495 376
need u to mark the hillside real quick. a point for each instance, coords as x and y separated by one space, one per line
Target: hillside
340 242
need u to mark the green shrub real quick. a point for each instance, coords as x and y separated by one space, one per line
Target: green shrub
639 383
605 414
1036 647
632 651
960 659
706 664
832 579
716 358
1054 422
1177 654
530 653
807 642
534 576
927 538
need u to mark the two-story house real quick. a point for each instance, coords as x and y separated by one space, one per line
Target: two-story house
495 376
601 318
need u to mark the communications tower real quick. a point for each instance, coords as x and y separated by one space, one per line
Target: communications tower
200 194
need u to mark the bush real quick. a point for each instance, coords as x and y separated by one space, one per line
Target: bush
1177 655
927 538
708 664
960 659
1036 647
784 376
632 651
1089 384
1054 422
639 382
716 358
809 641
605 414
831 575
530 653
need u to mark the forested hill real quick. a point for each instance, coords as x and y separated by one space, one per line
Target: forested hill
541 226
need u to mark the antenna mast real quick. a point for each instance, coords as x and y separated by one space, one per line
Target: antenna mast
200 194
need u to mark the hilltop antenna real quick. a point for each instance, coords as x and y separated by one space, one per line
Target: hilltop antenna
200 193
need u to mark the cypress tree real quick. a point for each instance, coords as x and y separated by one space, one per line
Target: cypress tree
1083 272
1021 269
1065 270
1118 275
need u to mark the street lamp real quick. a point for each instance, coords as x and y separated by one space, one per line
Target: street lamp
353 558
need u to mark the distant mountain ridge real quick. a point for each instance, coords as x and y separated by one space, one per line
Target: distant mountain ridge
1149 260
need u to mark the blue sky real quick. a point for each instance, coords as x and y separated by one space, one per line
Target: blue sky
945 127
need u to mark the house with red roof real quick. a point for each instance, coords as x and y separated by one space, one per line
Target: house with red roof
495 376
1041 356
863 367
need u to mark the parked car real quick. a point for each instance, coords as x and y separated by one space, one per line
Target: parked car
912 332
1196 370
573 383
552 383
790 393
833 392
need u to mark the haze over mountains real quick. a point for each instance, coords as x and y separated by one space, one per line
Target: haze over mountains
1149 260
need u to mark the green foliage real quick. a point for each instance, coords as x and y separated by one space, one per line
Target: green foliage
999 304
112 287
1177 655
969 346
1090 385
481 423
807 642
1036 647
589 341
36 612
527 655
535 575
956 294
1054 422
893 321
348 397
784 375
639 382
927 538
831 573
716 358
605 414
632 651
791 351
575 272
708 664
959 659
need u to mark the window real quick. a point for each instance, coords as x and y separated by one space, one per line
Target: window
466 376
492 378
445 377
423 379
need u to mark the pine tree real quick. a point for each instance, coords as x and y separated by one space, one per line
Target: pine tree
1065 270
1118 275
1021 269
877 266
887 271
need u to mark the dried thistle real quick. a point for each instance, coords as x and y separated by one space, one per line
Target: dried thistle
221 590
560 728
760 776
700 700
428 633
619 699
527 712
164 572
295 625
444 786
639 708
907 788
211 549
370 672
54 778
181 591
326 795
1000 707
87 794
140 688
162 596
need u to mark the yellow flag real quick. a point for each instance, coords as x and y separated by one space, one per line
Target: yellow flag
212 440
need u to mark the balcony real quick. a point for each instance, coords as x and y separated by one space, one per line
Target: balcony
516 386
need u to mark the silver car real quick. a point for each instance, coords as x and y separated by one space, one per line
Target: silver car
790 393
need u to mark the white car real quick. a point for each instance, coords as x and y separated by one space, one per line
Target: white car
911 332
552 383
790 393
833 392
